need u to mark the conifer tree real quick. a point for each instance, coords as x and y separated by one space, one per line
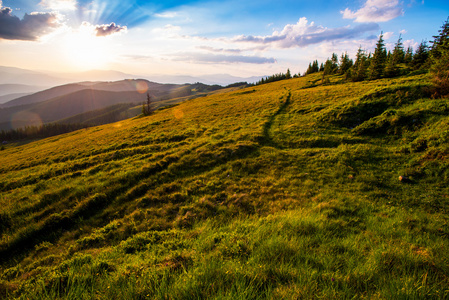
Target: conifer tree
440 41
315 67
309 69
394 59
345 63
421 56
334 60
360 66
398 52
328 67
408 56
440 60
378 61
391 69
331 65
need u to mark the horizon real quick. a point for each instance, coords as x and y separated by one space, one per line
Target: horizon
199 38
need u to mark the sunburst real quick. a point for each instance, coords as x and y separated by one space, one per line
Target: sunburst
85 50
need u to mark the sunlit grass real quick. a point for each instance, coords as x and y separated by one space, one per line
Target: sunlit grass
283 190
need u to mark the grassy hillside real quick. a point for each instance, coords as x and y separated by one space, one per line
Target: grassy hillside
63 107
95 103
131 85
283 190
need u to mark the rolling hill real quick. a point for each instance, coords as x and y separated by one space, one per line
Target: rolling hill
10 92
9 97
65 106
131 85
66 101
288 190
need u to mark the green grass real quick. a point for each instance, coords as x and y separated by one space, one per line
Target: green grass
280 191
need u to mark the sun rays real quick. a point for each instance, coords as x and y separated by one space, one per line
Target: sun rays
85 50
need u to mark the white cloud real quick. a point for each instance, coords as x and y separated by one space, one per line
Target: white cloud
59 5
303 34
411 43
403 31
388 35
166 15
220 50
375 11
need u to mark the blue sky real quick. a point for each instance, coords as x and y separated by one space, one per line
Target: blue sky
197 37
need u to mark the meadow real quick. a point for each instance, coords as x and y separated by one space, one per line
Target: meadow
286 190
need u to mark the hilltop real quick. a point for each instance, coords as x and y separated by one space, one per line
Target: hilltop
283 190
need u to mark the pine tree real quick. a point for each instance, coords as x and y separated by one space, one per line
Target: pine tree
440 60
421 56
439 44
398 52
288 75
378 61
345 63
334 60
331 65
408 56
360 66
394 59
315 67
309 69
391 69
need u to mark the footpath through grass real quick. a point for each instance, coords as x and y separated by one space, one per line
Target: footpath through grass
280 191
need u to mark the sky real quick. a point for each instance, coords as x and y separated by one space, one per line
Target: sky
199 37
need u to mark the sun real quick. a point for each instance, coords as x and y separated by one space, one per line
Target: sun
84 50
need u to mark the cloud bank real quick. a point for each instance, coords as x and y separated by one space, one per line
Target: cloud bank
105 30
375 11
303 34
223 59
30 28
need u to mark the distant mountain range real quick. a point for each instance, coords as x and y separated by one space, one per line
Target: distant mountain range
46 79
32 97
75 99
144 86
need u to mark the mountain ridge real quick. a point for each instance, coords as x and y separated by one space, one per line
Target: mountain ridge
12 75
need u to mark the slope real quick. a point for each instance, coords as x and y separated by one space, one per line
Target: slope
44 95
65 106
131 85
9 97
284 190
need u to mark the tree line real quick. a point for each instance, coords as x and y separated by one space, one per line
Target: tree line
386 64
42 131
379 64
276 77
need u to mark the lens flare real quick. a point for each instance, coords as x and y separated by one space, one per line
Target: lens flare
25 118
179 114
142 87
